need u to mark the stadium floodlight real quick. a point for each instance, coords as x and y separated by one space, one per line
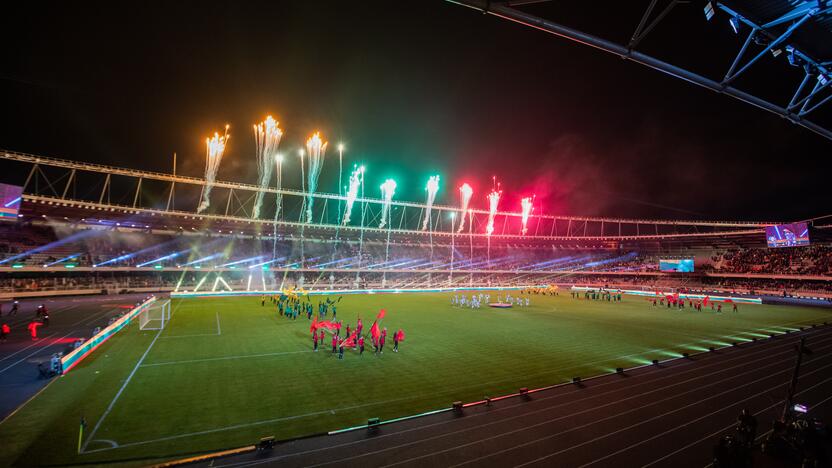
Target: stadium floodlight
800 408
735 24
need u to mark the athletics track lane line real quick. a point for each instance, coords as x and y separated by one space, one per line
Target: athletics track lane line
574 446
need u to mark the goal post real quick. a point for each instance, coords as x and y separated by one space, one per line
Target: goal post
156 316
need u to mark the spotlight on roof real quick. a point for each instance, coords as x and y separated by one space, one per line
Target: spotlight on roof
735 24
709 11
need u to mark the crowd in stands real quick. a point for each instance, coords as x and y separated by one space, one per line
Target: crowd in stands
810 260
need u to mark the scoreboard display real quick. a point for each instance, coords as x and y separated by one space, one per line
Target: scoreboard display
678 265
10 198
787 235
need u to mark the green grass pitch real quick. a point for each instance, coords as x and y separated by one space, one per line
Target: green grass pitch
227 371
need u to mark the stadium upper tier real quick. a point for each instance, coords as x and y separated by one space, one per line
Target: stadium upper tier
54 244
88 193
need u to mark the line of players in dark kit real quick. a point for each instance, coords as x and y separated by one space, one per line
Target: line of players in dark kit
291 306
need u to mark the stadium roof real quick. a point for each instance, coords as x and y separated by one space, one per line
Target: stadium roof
795 32
814 37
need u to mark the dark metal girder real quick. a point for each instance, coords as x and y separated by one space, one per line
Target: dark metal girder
532 21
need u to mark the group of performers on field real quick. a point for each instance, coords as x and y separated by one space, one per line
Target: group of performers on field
598 295
290 306
670 300
475 301
674 301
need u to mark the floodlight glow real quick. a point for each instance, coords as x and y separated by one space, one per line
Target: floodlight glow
216 282
800 408
248 285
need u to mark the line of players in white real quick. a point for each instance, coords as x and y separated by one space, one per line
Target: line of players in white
475 301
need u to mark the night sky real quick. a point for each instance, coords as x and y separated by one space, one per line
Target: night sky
413 88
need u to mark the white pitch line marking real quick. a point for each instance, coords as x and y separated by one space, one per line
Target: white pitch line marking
120 391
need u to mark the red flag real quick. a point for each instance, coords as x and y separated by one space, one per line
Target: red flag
401 334
728 300
706 300
349 342
314 325
374 331
381 314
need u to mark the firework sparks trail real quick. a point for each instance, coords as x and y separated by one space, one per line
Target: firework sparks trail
216 149
267 136
352 193
432 188
388 188
465 192
493 201
315 151
527 205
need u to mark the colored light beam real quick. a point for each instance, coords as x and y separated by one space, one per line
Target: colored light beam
215 151
388 189
493 202
527 205
465 193
199 284
204 259
356 178
222 280
431 188
162 259
245 260
12 202
267 136
315 151
71 238
62 260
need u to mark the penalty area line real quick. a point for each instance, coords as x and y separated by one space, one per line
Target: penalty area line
120 391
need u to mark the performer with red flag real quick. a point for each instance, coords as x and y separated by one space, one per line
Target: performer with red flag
375 333
314 341
334 343
397 338
381 340
360 345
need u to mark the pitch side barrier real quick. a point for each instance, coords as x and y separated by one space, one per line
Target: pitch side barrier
80 353
738 299
339 292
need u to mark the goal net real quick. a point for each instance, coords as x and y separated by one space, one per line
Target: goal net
155 316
